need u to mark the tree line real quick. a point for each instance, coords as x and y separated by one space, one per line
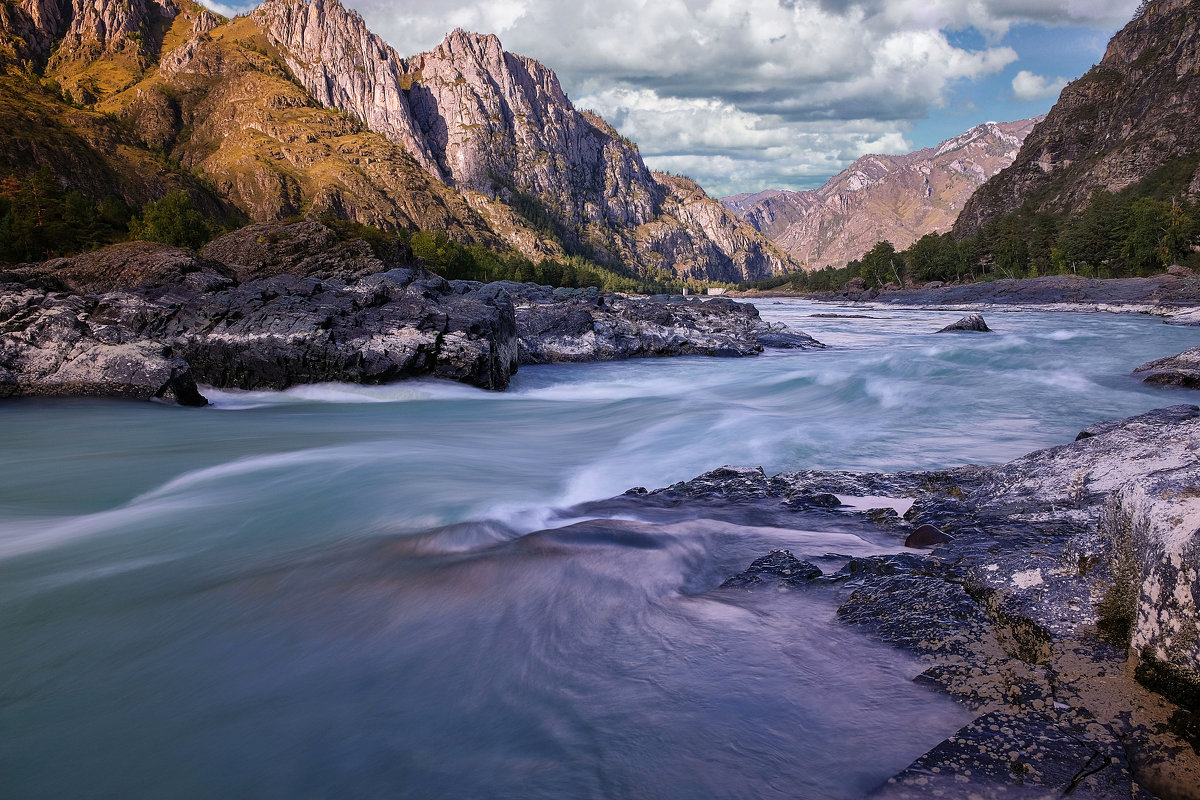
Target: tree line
1136 232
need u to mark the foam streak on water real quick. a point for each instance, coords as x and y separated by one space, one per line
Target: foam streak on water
361 591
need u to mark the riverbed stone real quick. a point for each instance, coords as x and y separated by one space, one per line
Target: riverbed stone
927 536
1179 370
779 569
971 322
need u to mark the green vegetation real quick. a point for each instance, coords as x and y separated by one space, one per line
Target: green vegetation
39 220
1137 232
475 262
174 220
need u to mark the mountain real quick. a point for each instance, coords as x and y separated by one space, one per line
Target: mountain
1131 114
299 109
499 128
893 198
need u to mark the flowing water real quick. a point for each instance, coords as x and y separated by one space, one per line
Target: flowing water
348 591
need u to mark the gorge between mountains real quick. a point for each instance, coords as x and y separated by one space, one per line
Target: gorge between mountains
322 504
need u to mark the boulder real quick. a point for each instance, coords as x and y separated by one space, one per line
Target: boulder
779 568
971 322
1178 370
926 536
1152 527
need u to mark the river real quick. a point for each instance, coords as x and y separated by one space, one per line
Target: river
381 591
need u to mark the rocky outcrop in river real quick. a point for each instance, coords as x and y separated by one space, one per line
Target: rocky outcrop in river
1062 610
564 325
1180 370
271 306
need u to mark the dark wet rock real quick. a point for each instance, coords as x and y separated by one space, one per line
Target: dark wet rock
814 500
1062 566
841 316
878 566
971 322
926 536
921 613
779 569
1002 755
778 336
1180 370
557 326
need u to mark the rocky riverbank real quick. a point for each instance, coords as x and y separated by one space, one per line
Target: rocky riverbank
1062 610
272 306
1175 296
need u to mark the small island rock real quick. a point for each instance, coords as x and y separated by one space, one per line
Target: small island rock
971 322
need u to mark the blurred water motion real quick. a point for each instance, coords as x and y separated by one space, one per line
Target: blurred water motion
363 591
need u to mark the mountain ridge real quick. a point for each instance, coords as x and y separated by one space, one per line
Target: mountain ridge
882 197
298 108
1129 115
498 127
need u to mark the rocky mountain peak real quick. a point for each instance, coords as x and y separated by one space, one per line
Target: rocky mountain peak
344 65
1132 113
880 197
299 108
483 47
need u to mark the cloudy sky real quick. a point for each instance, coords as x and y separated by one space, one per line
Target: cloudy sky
744 95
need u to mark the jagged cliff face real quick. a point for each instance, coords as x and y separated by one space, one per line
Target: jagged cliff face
343 65
300 109
1130 114
703 239
499 128
882 198
222 103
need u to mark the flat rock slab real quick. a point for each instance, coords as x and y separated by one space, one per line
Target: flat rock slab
1002 755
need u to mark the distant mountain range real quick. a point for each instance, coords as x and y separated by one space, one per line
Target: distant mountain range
894 198
297 108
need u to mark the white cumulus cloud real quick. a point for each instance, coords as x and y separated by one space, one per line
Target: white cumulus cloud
1028 86
755 92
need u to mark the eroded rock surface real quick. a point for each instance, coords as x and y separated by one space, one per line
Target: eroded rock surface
1062 609
1181 370
565 325
272 306
778 569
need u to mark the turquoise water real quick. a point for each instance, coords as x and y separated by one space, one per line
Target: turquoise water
334 590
